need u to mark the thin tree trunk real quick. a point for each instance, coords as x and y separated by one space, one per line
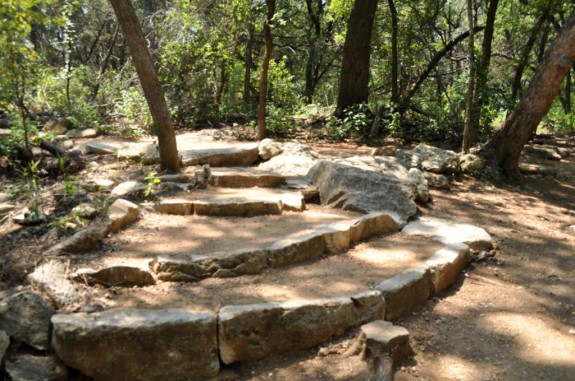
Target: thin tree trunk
505 147
104 64
248 66
469 126
394 53
271 9
354 78
163 127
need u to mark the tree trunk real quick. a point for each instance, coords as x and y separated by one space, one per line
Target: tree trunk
271 9
481 90
469 126
354 78
163 127
394 53
248 64
505 147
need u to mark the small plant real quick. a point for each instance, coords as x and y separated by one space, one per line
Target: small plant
151 180
355 123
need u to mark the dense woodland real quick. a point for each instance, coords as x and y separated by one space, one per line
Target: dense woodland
416 70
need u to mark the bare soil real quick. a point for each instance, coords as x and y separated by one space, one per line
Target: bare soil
509 317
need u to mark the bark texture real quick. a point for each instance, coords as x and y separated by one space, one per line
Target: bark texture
505 147
271 9
163 127
354 78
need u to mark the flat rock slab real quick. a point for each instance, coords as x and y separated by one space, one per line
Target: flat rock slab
221 155
233 202
446 264
52 279
406 291
115 276
450 232
238 177
135 344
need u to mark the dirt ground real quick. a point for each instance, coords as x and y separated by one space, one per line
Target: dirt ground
509 317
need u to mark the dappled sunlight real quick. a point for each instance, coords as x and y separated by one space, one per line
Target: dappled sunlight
449 367
536 340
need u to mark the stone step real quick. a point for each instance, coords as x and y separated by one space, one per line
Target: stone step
221 155
238 177
232 202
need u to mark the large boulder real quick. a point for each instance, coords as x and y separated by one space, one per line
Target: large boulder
471 163
25 316
430 159
28 367
134 344
365 184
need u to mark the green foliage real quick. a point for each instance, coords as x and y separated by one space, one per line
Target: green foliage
355 123
151 181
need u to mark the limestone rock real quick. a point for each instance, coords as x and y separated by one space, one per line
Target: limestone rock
252 332
446 264
181 207
121 214
4 344
145 153
6 208
134 344
384 151
220 265
295 161
358 186
374 224
84 240
245 178
25 316
30 217
129 189
56 127
405 291
99 184
176 178
431 159
436 180
237 207
239 155
296 248
543 151
82 134
28 367
449 232
422 188
369 306
52 279
85 210
117 276
5 197
101 147
471 163
268 149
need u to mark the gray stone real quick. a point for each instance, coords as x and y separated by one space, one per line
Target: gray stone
176 178
82 134
28 367
121 214
405 291
56 127
135 344
237 207
295 161
543 151
422 187
98 185
101 147
297 248
30 217
384 151
145 153
245 178
5 197
130 189
180 207
6 208
83 240
25 316
431 159
219 265
115 276
268 149
335 235
374 224
449 232
52 279
435 180
4 344
446 264
66 145
239 155
359 185
369 306
253 332
471 163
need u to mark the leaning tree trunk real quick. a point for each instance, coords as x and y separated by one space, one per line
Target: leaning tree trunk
354 78
505 147
153 91
271 6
